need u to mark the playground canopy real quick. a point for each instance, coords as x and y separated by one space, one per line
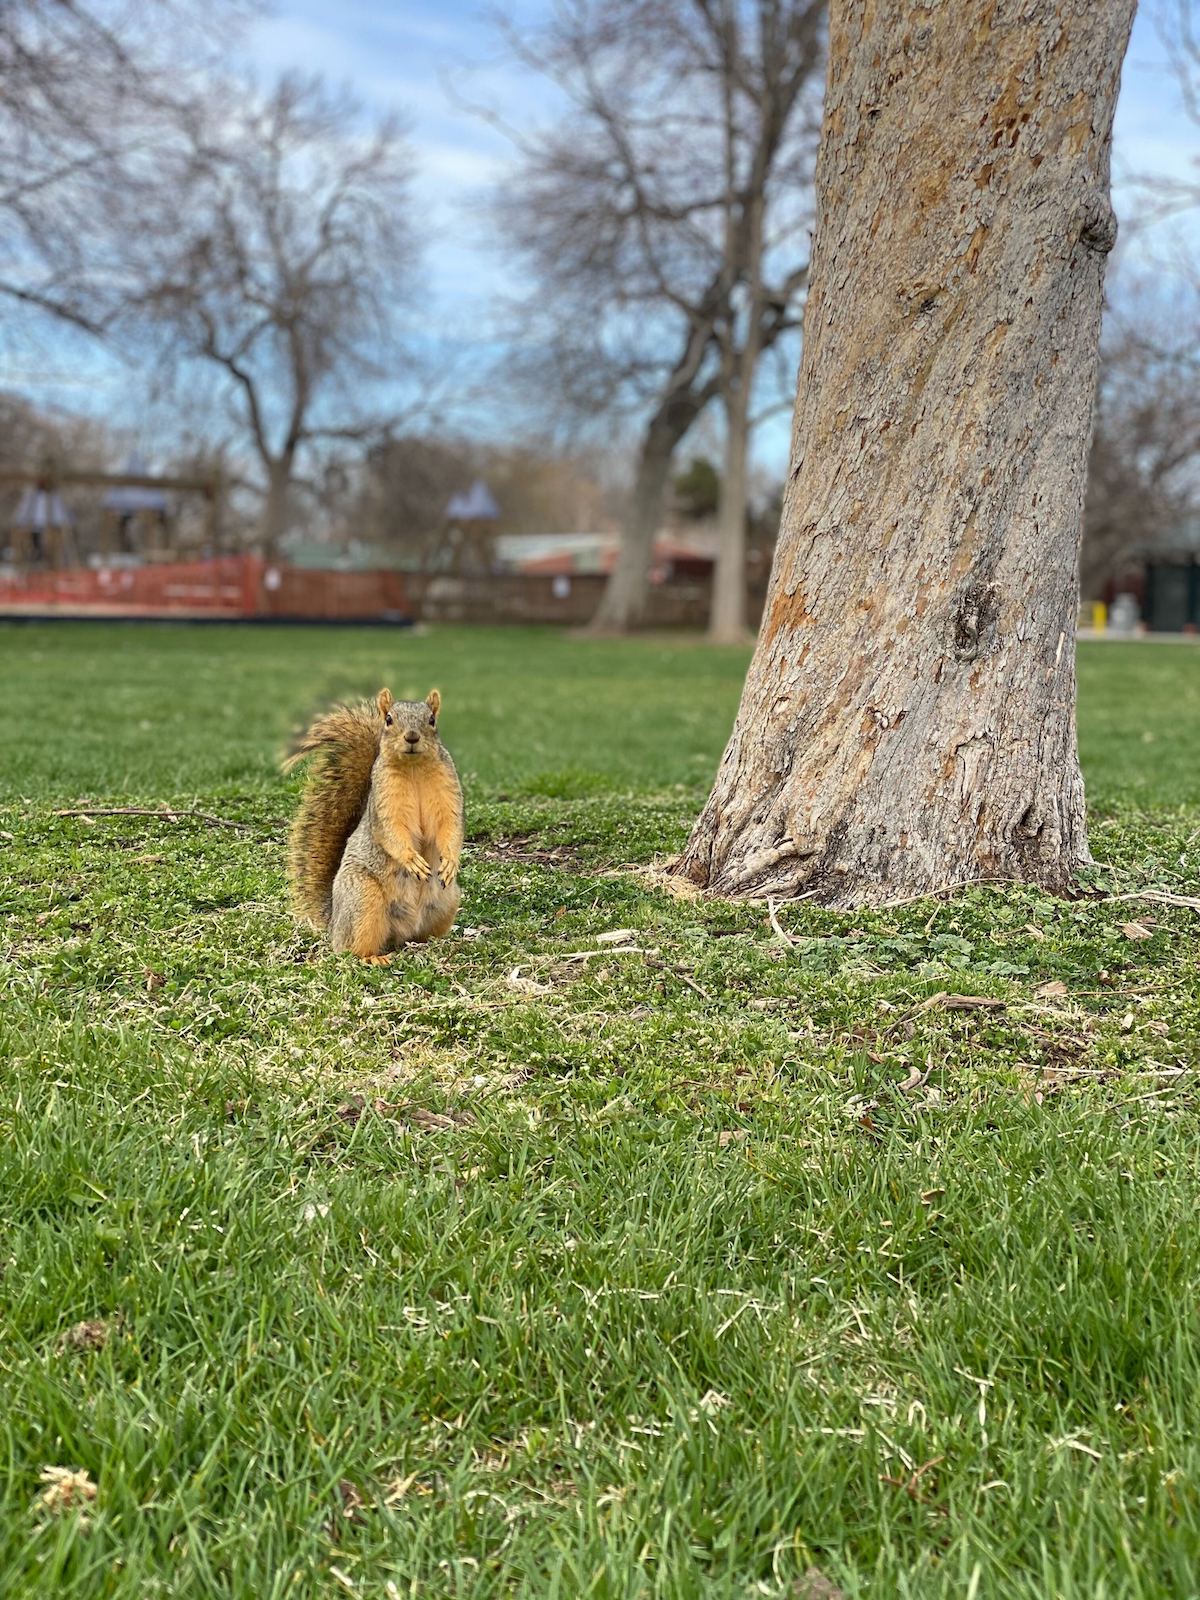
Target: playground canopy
477 505
128 499
41 509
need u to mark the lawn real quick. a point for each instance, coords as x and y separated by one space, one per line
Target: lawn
746 1265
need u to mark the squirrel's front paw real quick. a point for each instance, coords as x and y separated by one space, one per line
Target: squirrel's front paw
448 872
417 866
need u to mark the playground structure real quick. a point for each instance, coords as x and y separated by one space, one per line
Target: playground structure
135 513
472 521
137 567
42 529
136 518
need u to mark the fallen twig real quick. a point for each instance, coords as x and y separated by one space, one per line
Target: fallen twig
910 1484
692 984
949 1002
959 1002
685 977
792 900
936 894
611 950
915 1080
163 812
1160 897
780 931
1150 1094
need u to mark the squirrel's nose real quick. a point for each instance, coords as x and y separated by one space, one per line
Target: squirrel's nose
411 735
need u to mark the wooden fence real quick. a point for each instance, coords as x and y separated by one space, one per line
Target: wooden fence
521 597
246 587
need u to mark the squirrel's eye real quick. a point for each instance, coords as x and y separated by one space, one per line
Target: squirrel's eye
433 722
388 719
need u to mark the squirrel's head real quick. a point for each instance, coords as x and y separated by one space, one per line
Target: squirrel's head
409 726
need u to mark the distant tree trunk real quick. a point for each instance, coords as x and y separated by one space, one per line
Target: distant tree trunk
727 617
623 603
727 621
908 721
275 509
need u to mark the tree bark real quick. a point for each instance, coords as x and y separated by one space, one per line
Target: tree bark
908 721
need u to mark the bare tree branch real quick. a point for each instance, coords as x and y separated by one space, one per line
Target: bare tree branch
86 89
1144 468
277 248
662 218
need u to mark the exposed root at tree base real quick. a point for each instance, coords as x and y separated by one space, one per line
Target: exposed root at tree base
834 893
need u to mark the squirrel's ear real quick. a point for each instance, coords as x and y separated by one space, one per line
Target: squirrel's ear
434 701
384 701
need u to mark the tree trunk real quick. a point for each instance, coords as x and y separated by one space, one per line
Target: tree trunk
623 603
908 721
727 615
275 509
727 621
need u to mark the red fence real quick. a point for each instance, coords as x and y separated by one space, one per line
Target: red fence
237 587
228 586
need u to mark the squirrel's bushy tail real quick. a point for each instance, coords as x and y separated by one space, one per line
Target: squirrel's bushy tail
344 743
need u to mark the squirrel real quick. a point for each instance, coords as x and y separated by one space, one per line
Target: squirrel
374 849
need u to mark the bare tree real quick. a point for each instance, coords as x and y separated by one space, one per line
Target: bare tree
84 90
278 252
674 180
1144 468
908 721
1178 24
410 479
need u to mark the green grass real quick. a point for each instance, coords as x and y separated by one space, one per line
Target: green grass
497 1273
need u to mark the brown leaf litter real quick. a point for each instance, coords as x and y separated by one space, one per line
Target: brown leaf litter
84 1336
66 1489
413 1116
814 1585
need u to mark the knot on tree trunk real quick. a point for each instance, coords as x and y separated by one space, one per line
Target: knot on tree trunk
974 619
1097 223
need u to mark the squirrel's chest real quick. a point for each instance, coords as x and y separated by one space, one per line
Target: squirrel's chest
411 807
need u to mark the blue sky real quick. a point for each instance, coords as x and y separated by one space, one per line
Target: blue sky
419 58
424 60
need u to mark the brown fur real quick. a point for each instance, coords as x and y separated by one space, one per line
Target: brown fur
375 847
344 743
416 804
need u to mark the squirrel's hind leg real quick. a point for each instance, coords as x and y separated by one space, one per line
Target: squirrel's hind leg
360 921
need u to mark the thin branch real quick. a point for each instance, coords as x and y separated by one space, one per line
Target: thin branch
163 813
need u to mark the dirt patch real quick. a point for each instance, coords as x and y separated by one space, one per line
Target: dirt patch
521 849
